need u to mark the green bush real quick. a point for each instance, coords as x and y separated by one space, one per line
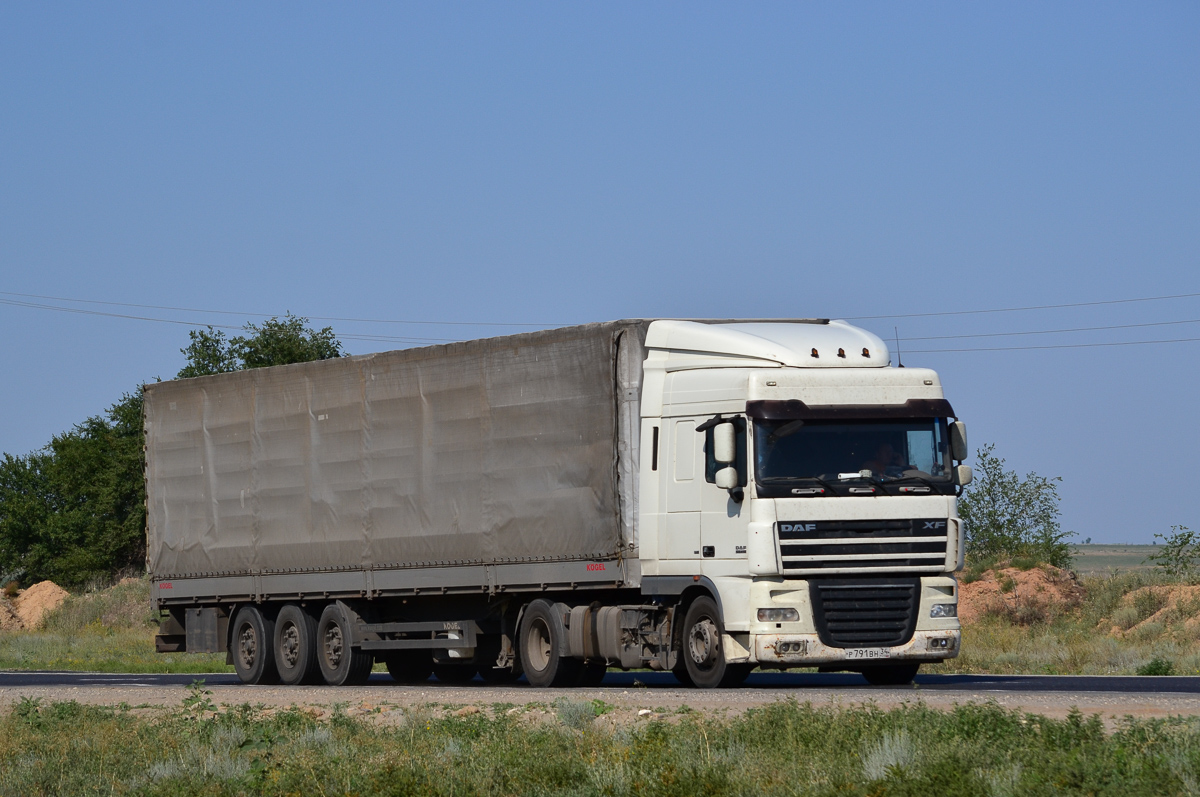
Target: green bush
1157 667
1008 517
1179 556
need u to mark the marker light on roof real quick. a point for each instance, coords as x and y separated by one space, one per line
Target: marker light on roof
866 353
814 353
842 353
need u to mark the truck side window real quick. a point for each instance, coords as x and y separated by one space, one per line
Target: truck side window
711 466
654 451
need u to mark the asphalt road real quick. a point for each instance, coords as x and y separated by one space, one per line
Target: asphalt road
782 683
635 695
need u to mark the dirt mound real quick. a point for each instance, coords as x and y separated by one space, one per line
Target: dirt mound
31 605
1161 604
1021 595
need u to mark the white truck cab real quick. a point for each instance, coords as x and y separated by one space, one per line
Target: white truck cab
810 485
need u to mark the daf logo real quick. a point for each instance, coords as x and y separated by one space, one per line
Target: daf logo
797 526
935 524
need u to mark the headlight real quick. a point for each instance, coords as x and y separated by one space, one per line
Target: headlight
941 610
778 616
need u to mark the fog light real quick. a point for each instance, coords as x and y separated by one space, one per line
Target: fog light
939 643
942 610
778 615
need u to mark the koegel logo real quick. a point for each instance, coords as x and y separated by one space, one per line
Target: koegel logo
797 526
164 585
596 566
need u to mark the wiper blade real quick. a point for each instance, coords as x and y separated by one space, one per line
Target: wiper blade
914 477
794 479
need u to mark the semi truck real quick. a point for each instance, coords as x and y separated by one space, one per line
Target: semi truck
701 497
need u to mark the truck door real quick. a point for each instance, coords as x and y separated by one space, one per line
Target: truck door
722 527
679 537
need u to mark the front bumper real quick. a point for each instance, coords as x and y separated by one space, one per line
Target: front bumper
807 650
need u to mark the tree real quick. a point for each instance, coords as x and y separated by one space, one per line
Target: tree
209 352
75 511
276 342
1007 516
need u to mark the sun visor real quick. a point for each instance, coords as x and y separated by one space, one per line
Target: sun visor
794 409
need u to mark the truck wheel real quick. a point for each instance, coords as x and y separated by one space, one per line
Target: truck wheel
892 675
702 653
498 675
541 639
592 672
455 673
409 666
254 646
296 646
341 663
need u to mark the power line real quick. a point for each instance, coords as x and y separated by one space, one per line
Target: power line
272 315
82 311
1057 331
1059 346
1016 309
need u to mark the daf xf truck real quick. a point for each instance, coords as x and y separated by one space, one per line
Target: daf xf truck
699 497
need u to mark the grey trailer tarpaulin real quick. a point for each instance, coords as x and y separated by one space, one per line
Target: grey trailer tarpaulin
514 449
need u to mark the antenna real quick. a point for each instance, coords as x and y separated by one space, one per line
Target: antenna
899 356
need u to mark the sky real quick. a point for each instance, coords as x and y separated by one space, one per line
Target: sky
502 167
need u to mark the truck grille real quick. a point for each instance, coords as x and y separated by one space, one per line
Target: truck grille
879 546
865 612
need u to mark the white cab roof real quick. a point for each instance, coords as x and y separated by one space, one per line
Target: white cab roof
789 343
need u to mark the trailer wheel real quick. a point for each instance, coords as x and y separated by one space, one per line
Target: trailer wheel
541 640
702 652
891 675
296 646
409 666
254 646
341 663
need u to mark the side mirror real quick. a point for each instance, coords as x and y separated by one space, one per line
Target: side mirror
724 444
958 441
963 475
727 478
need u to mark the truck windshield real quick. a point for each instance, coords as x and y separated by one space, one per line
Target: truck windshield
832 451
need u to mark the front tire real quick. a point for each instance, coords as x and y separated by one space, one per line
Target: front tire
254 646
703 652
341 663
541 639
891 675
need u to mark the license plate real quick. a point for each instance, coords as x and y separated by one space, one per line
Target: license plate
869 653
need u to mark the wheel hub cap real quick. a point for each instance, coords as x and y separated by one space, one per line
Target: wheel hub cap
703 641
290 646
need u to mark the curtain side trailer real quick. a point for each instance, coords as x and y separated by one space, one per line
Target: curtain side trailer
702 497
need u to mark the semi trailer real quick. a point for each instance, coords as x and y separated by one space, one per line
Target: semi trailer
699 497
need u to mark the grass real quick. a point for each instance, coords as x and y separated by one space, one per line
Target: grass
785 748
107 630
1110 632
